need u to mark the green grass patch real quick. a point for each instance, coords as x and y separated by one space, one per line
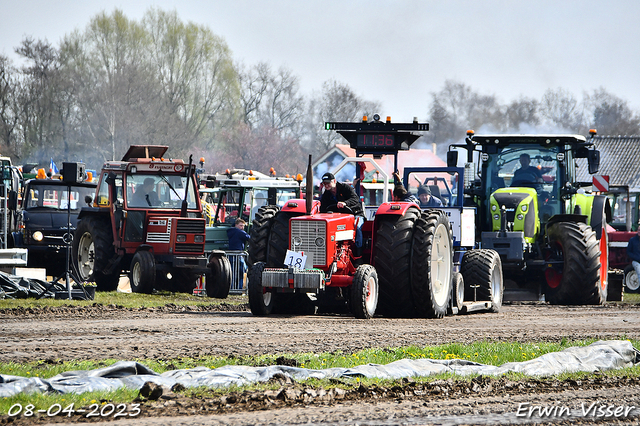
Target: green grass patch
126 300
492 353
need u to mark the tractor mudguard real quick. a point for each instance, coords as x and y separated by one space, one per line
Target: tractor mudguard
93 211
300 206
396 208
596 208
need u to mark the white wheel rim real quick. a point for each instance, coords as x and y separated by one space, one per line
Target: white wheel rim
371 296
266 297
631 281
496 295
441 265
135 274
86 256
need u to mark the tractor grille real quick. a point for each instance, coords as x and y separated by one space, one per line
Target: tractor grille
189 248
304 237
190 226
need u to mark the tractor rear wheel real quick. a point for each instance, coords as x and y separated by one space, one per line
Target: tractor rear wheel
364 292
261 302
142 274
431 264
218 278
260 230
631 282
393 263
482 273
92 250
279 239
579 282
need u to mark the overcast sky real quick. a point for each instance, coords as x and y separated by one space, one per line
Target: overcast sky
396 52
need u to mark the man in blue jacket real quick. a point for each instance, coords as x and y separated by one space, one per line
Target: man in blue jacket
633 252
237 237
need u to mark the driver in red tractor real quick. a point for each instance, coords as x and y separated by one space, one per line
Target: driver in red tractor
343 196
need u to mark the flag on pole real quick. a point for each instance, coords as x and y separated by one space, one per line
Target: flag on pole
53 169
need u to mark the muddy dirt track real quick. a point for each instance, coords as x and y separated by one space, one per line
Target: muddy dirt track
102 332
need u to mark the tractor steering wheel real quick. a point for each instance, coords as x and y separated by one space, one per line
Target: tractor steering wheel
345 209
525 177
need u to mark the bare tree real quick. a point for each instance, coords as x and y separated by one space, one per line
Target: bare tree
336 102
195 69
457 108
610 114
521 112
561 108
8 106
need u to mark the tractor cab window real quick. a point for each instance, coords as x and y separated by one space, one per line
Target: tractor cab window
441 185
56 197
159 191
284 195
527 166
226 205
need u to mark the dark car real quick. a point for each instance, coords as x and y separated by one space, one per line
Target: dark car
45 217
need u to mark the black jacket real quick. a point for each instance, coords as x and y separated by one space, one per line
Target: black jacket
344 193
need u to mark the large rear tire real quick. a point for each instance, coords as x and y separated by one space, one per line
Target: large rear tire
261 302
279 239
432 264
482 274
218 278
364 292
142 274
260 230
579 282
393 263
92 249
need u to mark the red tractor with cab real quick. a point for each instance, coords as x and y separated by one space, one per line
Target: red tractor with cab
146 218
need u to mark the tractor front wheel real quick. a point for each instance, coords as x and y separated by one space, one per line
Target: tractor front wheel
142 275
261 302
631 282
92 250
364 292
218 278
482 273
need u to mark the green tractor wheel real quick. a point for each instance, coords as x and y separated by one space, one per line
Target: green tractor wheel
578 277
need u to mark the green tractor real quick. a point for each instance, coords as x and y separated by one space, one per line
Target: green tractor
550 234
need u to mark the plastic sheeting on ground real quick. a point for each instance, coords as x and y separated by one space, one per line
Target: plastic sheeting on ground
15 287
599 356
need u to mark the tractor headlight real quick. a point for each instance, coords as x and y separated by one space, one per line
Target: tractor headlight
198 239
523 208
496 217
494 208
38 236
181 238
320 242
520 216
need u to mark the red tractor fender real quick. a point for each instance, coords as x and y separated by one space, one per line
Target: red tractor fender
300 206
396 208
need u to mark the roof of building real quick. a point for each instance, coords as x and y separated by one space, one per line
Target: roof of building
411 158
619 159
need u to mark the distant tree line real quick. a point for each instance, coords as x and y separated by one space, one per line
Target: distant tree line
162 81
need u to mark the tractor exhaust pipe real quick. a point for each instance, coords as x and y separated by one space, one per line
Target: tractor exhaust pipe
309 189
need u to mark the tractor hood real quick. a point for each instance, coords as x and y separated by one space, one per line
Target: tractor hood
49 220
521 206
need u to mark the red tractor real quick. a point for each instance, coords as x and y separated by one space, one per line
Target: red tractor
146 218
406 262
